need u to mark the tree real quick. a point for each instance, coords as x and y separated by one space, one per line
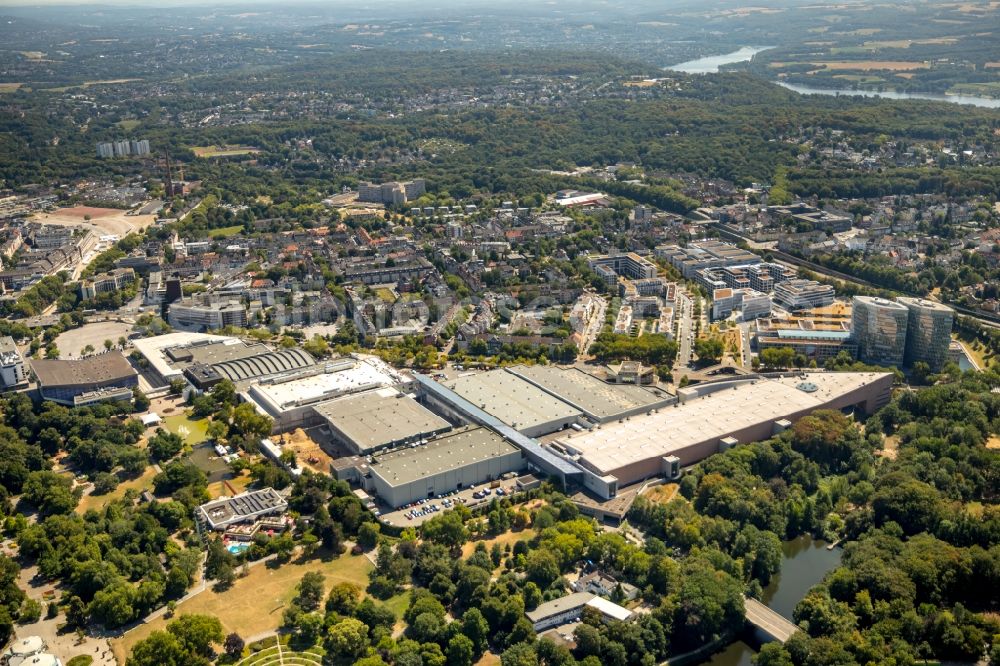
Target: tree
108 345
709 350
310 591
519 654
161 648
542 568
368 535
461 651
233 645
197 633
164 445
447 529
346 640
476 629
52 493
773 654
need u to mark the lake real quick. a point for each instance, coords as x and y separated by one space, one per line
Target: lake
804 563
971 100
711 64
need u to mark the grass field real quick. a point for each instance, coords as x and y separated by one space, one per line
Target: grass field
254 604
662 494
504 539
868 65
226 232
144 482
223 151
128 125
9 87
273 656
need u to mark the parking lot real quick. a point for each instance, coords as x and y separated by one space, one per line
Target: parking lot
417 513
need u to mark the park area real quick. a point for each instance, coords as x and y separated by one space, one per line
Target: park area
276 652
255 603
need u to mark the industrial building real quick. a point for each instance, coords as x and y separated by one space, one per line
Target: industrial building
459 459
379 419
290 400
928 332
878 327
245 363
107 376
243 508
168 355
712 417
599 401
516 402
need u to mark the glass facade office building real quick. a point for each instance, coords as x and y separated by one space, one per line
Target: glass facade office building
879 328
929 332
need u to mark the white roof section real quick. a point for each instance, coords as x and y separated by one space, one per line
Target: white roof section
151 419
713 416
25 646
610 609
511 399
153 349
341 376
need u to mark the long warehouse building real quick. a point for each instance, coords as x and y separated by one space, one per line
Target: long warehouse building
713 417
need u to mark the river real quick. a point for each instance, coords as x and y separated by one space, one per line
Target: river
711 65
804 563
971 100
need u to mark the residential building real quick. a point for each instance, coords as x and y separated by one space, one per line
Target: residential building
106 283
629 265
391 193
878 327
105 149
122 148
140 147
12 372
928 333
243 508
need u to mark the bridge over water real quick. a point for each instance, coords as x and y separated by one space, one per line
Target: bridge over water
767 623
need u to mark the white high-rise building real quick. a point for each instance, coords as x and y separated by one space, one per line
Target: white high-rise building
105 149
140 147
122 148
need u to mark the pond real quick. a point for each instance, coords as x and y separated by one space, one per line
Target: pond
805 561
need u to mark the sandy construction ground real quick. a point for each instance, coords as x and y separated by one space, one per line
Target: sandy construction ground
102 220
308 453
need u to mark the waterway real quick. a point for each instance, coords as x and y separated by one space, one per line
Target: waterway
711 64
804 563
970 100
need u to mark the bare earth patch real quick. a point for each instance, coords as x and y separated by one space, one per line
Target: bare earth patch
993 442
890 447
104 220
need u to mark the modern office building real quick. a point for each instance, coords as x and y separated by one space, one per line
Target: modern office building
205 314
12 373
107 376
802 294
570 607
878 327
705 254
928 333
628 264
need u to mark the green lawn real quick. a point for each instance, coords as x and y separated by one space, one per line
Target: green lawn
226 232
128 125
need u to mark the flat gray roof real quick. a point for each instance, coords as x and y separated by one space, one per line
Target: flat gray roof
377 418
511 399
458 448
591 395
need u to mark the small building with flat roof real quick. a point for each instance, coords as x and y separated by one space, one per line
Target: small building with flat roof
598 400
379 419
245 507
459 459
516 402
